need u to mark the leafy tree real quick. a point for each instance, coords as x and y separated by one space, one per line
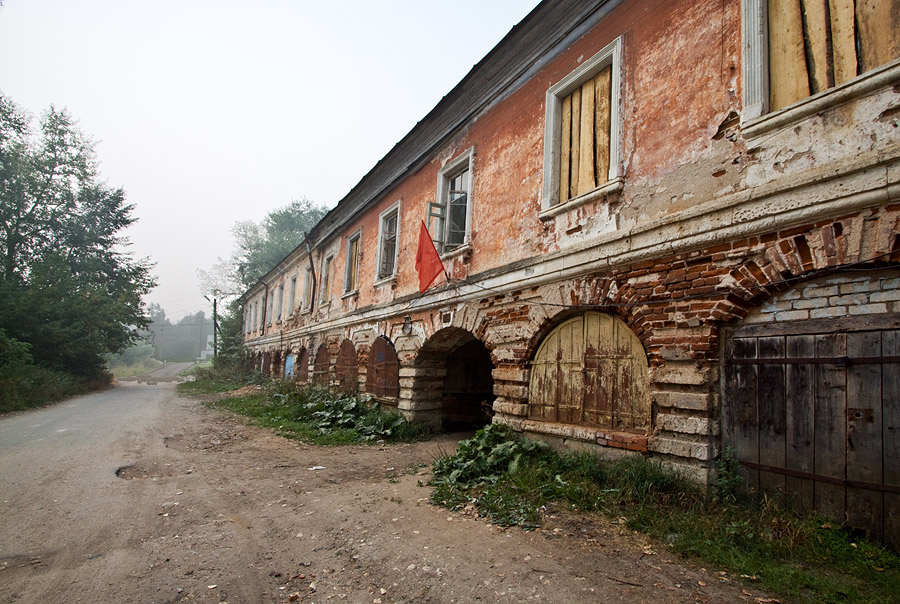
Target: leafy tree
259 247
67 286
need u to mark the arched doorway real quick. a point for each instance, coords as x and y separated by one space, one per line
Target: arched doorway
383 370
454 380
347 368
320 369
301 367
591 370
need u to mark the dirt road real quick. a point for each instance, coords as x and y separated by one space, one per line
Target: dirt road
137 495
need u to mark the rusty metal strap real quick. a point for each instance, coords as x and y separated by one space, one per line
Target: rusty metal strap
842 482
838 361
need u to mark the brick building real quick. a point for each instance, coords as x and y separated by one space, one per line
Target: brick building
669 226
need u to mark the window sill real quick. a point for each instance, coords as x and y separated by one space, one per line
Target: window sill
392 279
349 294
608 188
457 251
880 77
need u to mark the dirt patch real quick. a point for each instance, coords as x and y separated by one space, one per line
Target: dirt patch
218 511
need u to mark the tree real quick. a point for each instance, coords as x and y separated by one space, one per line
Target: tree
67 285
259 247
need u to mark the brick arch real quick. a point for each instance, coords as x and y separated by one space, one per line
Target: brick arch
383 369
322 366
301 366
453 382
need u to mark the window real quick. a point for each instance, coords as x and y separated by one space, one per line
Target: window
280 305
351 277
270 307
451 213
582 133
256 316
247 318
292 296
793 50
308 288
327 264
388 230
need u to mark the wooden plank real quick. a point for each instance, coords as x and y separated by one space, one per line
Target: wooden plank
603 95
741 386
596 399
815 29
799 420
771 412
575 160
843 39
830 427
565 147
788 79
878 23
587 179
890 398
865 508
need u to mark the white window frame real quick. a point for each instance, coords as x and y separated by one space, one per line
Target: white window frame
326 272
306 303
756 120
279 304
270 308
610 55
440 207
394 210
348 268
292 295
256 315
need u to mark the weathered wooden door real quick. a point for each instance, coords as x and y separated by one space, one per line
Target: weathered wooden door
817 416
591 370
321 366
383 369
347 368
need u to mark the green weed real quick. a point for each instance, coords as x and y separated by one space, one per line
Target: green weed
800 557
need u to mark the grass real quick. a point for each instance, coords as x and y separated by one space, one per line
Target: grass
141 367
313 414
800 557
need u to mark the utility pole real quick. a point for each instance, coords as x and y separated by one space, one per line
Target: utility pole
215 326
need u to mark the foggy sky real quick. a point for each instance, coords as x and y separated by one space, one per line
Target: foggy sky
208 112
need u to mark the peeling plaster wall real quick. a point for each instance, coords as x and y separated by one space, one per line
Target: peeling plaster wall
713 227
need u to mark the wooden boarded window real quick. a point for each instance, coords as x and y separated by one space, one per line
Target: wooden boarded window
591 370
347 368
320 369
383 369
585 142
818 44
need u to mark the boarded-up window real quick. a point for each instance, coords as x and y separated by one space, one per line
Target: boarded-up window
383 370
301 370
584 143
320 369
347 368
591 370
817 44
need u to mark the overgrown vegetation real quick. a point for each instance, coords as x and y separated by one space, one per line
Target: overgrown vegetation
801 557
313 414
69 290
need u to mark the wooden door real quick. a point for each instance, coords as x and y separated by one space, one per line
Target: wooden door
383 369
817 416
591 370
347 368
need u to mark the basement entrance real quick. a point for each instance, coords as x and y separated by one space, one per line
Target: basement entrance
454 386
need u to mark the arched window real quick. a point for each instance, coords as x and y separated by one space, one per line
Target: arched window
347 367
591 370
383 369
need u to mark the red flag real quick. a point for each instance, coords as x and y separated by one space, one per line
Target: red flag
428 262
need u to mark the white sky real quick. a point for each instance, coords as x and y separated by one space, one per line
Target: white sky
211 111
